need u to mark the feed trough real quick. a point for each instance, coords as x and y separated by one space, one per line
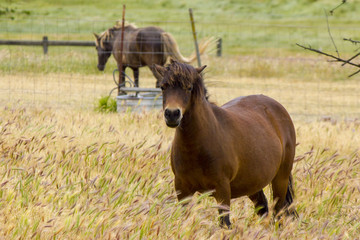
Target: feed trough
139 99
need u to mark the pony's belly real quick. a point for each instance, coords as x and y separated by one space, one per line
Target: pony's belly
250 182
246 190
198 181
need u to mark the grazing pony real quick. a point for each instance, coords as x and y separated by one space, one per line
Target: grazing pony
142 47
236 149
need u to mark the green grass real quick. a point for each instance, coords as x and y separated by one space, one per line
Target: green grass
106 104
242 24
259 29
259 51
257 11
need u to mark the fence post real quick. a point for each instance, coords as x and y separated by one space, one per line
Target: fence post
219 47
45 44
194 35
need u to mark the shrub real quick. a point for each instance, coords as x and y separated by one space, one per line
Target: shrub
106 104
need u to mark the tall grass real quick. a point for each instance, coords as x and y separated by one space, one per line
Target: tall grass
81 174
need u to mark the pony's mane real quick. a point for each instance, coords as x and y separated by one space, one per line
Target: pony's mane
184 75
109 34
118 25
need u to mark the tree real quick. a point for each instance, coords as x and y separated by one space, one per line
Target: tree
337 58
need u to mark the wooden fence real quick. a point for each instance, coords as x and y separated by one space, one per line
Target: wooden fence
45 43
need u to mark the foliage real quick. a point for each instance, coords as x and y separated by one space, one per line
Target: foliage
106 104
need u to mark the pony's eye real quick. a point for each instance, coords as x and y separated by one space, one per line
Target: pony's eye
189 88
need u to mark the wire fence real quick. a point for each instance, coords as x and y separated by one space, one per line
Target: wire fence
255 59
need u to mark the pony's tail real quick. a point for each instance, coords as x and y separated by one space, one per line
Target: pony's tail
290 195
171 48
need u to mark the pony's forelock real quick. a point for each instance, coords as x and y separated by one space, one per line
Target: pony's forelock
184 75
104 36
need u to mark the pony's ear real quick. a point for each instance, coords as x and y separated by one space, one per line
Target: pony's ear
200 69
96 36
158 71
172 61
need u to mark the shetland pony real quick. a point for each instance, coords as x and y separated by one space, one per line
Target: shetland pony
236 149
142 47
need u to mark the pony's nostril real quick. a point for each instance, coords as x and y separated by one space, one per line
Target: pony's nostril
177 113
167 113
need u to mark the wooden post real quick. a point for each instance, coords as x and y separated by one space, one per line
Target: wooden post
45 44
195 39
219 47
120 65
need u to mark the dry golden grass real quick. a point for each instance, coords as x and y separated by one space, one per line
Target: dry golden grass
310 88
68 172
78 174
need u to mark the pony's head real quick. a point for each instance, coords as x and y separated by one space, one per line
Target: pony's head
181 85
104 42
104 45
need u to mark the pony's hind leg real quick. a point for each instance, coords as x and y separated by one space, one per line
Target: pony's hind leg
260 202
290 198
283 194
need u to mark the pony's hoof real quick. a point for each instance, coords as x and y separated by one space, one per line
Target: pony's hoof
225 223
225 226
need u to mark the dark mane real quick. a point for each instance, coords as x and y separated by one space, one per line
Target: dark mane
109 34
185 76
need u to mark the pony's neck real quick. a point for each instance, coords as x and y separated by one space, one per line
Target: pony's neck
198 119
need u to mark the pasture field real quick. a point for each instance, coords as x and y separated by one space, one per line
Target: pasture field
79 174
246 27
70 172
74 173
310 88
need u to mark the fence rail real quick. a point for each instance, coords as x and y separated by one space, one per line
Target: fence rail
45 43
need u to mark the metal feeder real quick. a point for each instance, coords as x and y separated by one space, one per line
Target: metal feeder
137 99
143 99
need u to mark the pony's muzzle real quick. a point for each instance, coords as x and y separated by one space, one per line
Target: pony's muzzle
101 67
173 117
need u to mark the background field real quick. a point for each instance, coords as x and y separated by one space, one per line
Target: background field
259 54
69 172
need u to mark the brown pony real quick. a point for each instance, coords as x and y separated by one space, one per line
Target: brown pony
142 47
236 149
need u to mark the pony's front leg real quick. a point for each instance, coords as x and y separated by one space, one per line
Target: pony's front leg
222 195
136 76
260 202
182 191
121 79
